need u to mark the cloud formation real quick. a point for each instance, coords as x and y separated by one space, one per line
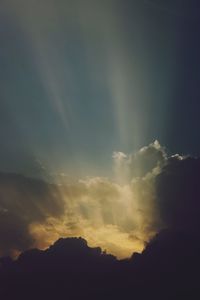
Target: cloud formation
178 193
150 191
23 201
119 215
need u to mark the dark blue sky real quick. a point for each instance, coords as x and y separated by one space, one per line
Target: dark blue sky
81 79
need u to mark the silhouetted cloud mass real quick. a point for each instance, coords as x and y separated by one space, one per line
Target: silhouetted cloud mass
178 193
157 205
167 268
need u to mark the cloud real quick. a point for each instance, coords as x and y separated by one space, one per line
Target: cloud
148 159
23 201
119 215
178 193
34 213
99 210
150 191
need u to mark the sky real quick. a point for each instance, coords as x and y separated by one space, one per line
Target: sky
90 88
80 80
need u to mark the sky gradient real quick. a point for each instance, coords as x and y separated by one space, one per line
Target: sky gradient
82 80
96 98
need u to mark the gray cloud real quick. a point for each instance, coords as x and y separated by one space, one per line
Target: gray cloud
23 201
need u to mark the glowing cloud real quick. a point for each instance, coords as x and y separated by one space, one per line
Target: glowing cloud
118 216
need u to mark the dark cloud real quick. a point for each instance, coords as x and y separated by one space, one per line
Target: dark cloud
178 193
167 268
24 201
